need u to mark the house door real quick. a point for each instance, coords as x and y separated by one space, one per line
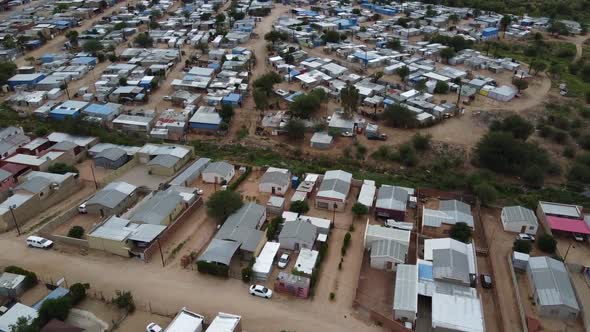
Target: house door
273 190
523 229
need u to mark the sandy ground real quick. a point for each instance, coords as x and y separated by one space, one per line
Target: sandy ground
582 286
137 321
139 176
500 243
577 252
86 221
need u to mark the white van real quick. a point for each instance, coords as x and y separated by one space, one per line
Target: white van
39 242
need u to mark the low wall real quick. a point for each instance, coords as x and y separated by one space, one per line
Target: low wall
59 239
517 291
47 229
171 229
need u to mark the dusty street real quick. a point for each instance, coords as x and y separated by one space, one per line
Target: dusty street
169 289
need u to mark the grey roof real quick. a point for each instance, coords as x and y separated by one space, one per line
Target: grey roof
156 209
4 175
64 146
392 198
107 198
518 214
405 296
450 264
164 160
302 230
146 232
551 282
276 176
565 210
321 137
389 248
242 227
335 184
35 184
112 154
10 142
219 251
449 212
10 280
114 228
221 168
190 173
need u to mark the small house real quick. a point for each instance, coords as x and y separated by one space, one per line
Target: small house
262 268
297 235
11 285
391 202
295 285
224 322
306 261
275 181
405 295
518 219
111 158
11 317
333 190
275 205
218 172
113 199
321 140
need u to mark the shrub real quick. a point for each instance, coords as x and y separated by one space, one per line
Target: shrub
61 168
299 207
359 209
461 232
523 246
213 269
247 274
346 243
76 232
569 152
533 176
273 227
222 204
486 193
30 277
332 296
407 155
58 308
547 243
124 300
421 142
78 292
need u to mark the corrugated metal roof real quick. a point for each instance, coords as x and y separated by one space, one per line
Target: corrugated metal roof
560 209
242 226
299 229
191 173
450 264
367 194
551 282
518 214
278 176
219 251
405 296
449 212
389 248
392 198
220 168
159 207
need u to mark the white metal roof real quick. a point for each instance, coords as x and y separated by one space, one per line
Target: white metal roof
376 232
430 245
14 313
367 194
566 210
306 261
266 258
457 310
551 282
224 323
405 296
185 321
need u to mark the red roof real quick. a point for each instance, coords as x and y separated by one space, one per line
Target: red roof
568 225
14 168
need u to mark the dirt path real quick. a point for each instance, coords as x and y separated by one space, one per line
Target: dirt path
580 47
169 289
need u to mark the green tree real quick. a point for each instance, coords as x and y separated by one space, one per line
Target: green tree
54 309
78 292
359 210
394 44
304 106
144 40
356 11
92 46
120 26
260 99
23 325
7 70
349 100
222 204
447 53
72 36
226 113
276 36
62 168
538 66
454 18
295 129
273 227
515 125
124 300
76 232
534 176
205 16
331 37
558 28
8 42
504 23
486 193
220 18
523 246
461 232
547 243
399 116
403 73
441 87
300 207
267 81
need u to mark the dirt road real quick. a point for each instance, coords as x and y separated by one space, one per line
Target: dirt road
169 289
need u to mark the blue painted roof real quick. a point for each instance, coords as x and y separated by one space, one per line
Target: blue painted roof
84 60
232 97
364 56
98 109
425 271
292 97
55 294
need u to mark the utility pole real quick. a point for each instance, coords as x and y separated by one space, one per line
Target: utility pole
93 176
11 207
567 251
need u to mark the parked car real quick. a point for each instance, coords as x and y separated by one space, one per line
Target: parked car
200 191
167 98
579 237
283 261
347 134
486 281
39 242
377 137
525 237
153 327
82 208
261 291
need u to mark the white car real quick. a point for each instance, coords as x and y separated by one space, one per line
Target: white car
283 261
153 327
39 242
525 237
579 237
82 208
259 290
167 98
347 134
200 191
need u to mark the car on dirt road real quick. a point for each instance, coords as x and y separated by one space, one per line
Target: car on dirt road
39 242
283 261
153 327
579 237
261 291
82 208
486 281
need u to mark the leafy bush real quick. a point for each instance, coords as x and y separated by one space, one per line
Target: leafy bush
76 232
58 308
234 185
346 243
461 232
247 274
523 246
486 193
61 168
359 209
299 207
213 269
273 227
124 300
407 155
30 277
222 204
515 125
421 142
78 292
533 176
547 243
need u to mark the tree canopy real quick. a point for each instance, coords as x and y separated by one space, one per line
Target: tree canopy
299 207
304 106
267 81
144 40
295 129
514 124
349 100
222 204
461 232
92 46
399 116
7 70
